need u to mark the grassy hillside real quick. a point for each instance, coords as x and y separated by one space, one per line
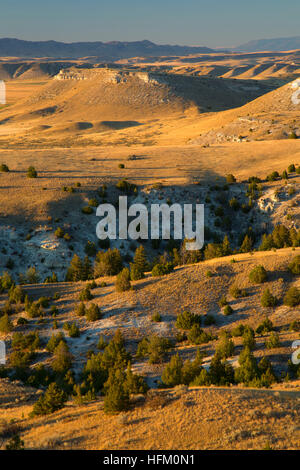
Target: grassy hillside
215 417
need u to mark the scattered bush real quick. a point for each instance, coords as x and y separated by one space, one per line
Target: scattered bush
230 179
223 301
156 317
87 210
86 294
258 275
291 168
59 233
162 269
139 265
236 292
93 202
93 313
265 327
272 341
126 187
292 297
101 343
15 443
281 237
123 281
238 330
4 168
72 329
31 172
267 299
79 270
209 274
80 309
6 325
16 295
228 310
252 374
186 320
294 266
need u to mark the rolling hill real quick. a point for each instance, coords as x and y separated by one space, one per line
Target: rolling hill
90 101
272 116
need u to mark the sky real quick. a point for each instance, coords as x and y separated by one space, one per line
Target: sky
212 23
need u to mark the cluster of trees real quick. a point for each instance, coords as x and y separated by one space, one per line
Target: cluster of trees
154 348
24 347
108 372
105 372
220 371
281 237
284 175
92 312
190 323
110 263
79 270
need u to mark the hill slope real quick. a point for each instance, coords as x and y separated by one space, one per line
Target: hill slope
194 418
81 101
270 117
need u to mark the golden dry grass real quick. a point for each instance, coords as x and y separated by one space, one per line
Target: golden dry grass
204 418
187 288
200 418
173 165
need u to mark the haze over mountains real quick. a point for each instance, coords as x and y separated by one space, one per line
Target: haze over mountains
276 44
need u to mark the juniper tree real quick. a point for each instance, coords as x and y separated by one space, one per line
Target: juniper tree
246 246
6 325
140 264
226 249
108 263
123 281
87 270
53 399
258 275
93 313
75 270
116 397
62 360
31 172
267 299
294 266
292 297
172 373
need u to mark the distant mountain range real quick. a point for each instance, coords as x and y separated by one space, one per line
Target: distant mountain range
101 50
276 44
115 50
